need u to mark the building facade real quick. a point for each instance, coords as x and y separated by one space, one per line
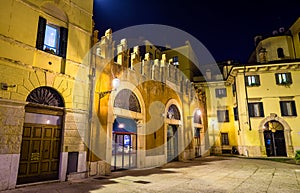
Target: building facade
255 106
42 47
153 117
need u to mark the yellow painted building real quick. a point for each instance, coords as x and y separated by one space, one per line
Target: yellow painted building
254 108
154 116
44 102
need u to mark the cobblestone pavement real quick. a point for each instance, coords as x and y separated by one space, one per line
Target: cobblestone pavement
207 175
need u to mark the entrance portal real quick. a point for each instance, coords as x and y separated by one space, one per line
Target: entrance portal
39 159
124 144
274 139
172 143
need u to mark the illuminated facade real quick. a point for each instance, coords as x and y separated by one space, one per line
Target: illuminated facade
42 47
154 116
255 107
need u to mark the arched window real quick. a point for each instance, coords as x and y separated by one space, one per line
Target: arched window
280 53
173 112
126 99
46 96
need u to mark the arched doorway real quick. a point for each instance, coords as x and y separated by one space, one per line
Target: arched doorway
197 122
173 115
124 132
274 139
41 138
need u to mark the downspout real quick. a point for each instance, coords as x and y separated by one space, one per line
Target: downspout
246 92
237 105
92 73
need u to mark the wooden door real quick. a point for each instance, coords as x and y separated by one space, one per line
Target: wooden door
39 159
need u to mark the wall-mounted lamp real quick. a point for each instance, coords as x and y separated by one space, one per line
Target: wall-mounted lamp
115 85
5 86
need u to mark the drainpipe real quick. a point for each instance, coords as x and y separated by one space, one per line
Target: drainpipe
246 91
237 105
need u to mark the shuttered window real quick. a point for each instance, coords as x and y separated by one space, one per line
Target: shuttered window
288 108
51 38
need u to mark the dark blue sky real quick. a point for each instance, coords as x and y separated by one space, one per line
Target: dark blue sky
226 28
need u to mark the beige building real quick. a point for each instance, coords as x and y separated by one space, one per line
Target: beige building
43 99
255 107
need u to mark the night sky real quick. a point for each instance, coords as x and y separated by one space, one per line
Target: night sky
226 29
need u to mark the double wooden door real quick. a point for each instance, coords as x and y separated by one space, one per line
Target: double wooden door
40 150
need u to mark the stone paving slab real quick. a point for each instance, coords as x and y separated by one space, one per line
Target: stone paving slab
212 174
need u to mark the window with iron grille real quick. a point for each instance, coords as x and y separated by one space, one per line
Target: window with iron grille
224 138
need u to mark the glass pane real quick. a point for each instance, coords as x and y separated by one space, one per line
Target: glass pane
50 36
42 119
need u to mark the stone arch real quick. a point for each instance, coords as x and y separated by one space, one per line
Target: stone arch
126 99
287 133
45 96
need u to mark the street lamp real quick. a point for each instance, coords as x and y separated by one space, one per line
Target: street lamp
115 85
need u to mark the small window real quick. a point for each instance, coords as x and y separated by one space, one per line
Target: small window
223 116
280 53
51 38
252 80
236 114
224 138
221 92
256 109
288 108
283 78
175 61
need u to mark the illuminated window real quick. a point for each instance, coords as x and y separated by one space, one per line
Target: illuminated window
252 80
288 108
220 92
51 38
256 109
175 61
283 78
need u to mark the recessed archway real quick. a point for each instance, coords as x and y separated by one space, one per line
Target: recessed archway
275 133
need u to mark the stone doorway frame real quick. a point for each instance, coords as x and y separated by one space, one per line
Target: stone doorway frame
286 130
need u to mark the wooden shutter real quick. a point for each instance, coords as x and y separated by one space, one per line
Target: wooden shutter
277 78
41 33
261 110
63 42
289 78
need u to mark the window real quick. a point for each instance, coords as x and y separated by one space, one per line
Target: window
236 114
223 116
252 80
288 108
221 92
283 78
280 53
224 138
175 61
51 38
256 109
